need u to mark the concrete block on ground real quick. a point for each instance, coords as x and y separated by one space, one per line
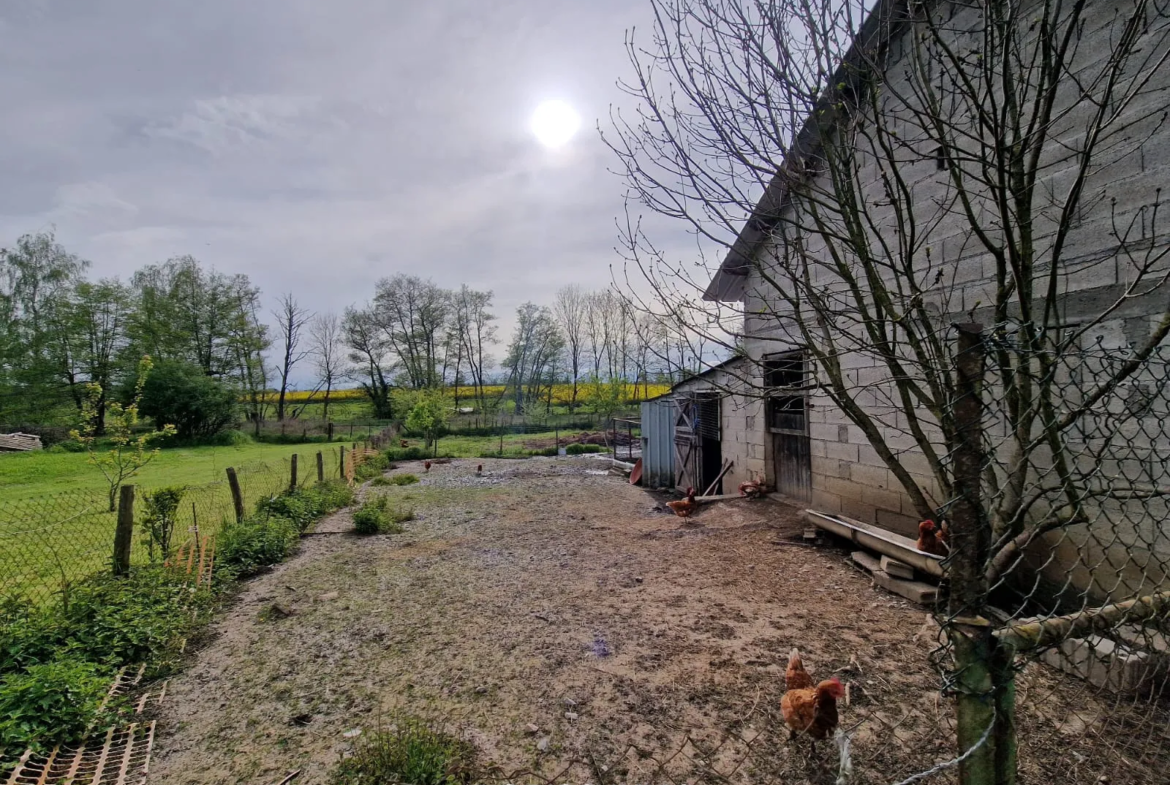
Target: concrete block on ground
897 569
1105 663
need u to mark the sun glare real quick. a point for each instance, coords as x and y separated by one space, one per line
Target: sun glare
554 123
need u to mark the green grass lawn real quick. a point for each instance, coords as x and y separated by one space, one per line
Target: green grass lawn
35 474
55 525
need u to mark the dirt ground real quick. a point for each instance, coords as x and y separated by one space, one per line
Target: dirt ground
577 632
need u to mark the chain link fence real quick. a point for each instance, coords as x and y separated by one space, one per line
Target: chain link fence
49 543
1058 614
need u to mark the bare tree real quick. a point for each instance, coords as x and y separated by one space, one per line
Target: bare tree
477 334
413 315
291 319
326 345
369 351
870 176
571 308
533 354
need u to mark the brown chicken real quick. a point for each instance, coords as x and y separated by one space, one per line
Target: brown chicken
928 540
796 677
426 466
753 489
813 710
684 507
479 470
403 443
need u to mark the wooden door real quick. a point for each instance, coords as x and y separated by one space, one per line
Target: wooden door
788 425
687 451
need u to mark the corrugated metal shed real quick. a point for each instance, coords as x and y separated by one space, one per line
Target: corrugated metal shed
658 443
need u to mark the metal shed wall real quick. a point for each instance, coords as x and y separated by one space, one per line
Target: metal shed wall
658 443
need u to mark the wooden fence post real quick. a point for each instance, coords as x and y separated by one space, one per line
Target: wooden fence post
330 431
124 534
320 467
292 480
341 464
237 495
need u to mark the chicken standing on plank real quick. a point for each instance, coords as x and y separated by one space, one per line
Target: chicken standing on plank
928 540
684 507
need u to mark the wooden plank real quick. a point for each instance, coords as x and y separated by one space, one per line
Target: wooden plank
718 477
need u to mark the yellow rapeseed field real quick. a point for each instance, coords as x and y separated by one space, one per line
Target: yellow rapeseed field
562 393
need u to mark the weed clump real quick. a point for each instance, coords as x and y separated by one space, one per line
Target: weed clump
410 752
247 547
57 661
382 481
376 516
304 506
404 479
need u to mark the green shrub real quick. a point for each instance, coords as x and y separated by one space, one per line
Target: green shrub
247 547
50 703
376 516
404 479
57 661
411 454
141 618
181 394
411 752
161 508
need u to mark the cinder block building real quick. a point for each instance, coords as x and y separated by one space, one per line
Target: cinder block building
777 425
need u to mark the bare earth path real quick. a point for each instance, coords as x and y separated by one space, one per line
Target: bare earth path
548 594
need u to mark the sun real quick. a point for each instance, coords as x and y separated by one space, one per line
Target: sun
554 123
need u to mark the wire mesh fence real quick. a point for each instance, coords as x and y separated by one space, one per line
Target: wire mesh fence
1060 555
49 543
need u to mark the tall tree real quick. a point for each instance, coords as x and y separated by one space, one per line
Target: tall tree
533 354
291 319
326 345
36 277
369 351
477 333
412 314
97 321
571 307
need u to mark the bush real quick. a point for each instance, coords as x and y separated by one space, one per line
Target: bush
404 479
161 508
412 752
180 394
383 481
50 703
142 618
376 516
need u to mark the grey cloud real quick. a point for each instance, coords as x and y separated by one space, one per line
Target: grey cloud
316 146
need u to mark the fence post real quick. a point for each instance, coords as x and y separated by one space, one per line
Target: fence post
330 426
980 697
341 464
237 495
292 480
124 534
320 467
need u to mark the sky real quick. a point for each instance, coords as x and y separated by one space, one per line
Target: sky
318 146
